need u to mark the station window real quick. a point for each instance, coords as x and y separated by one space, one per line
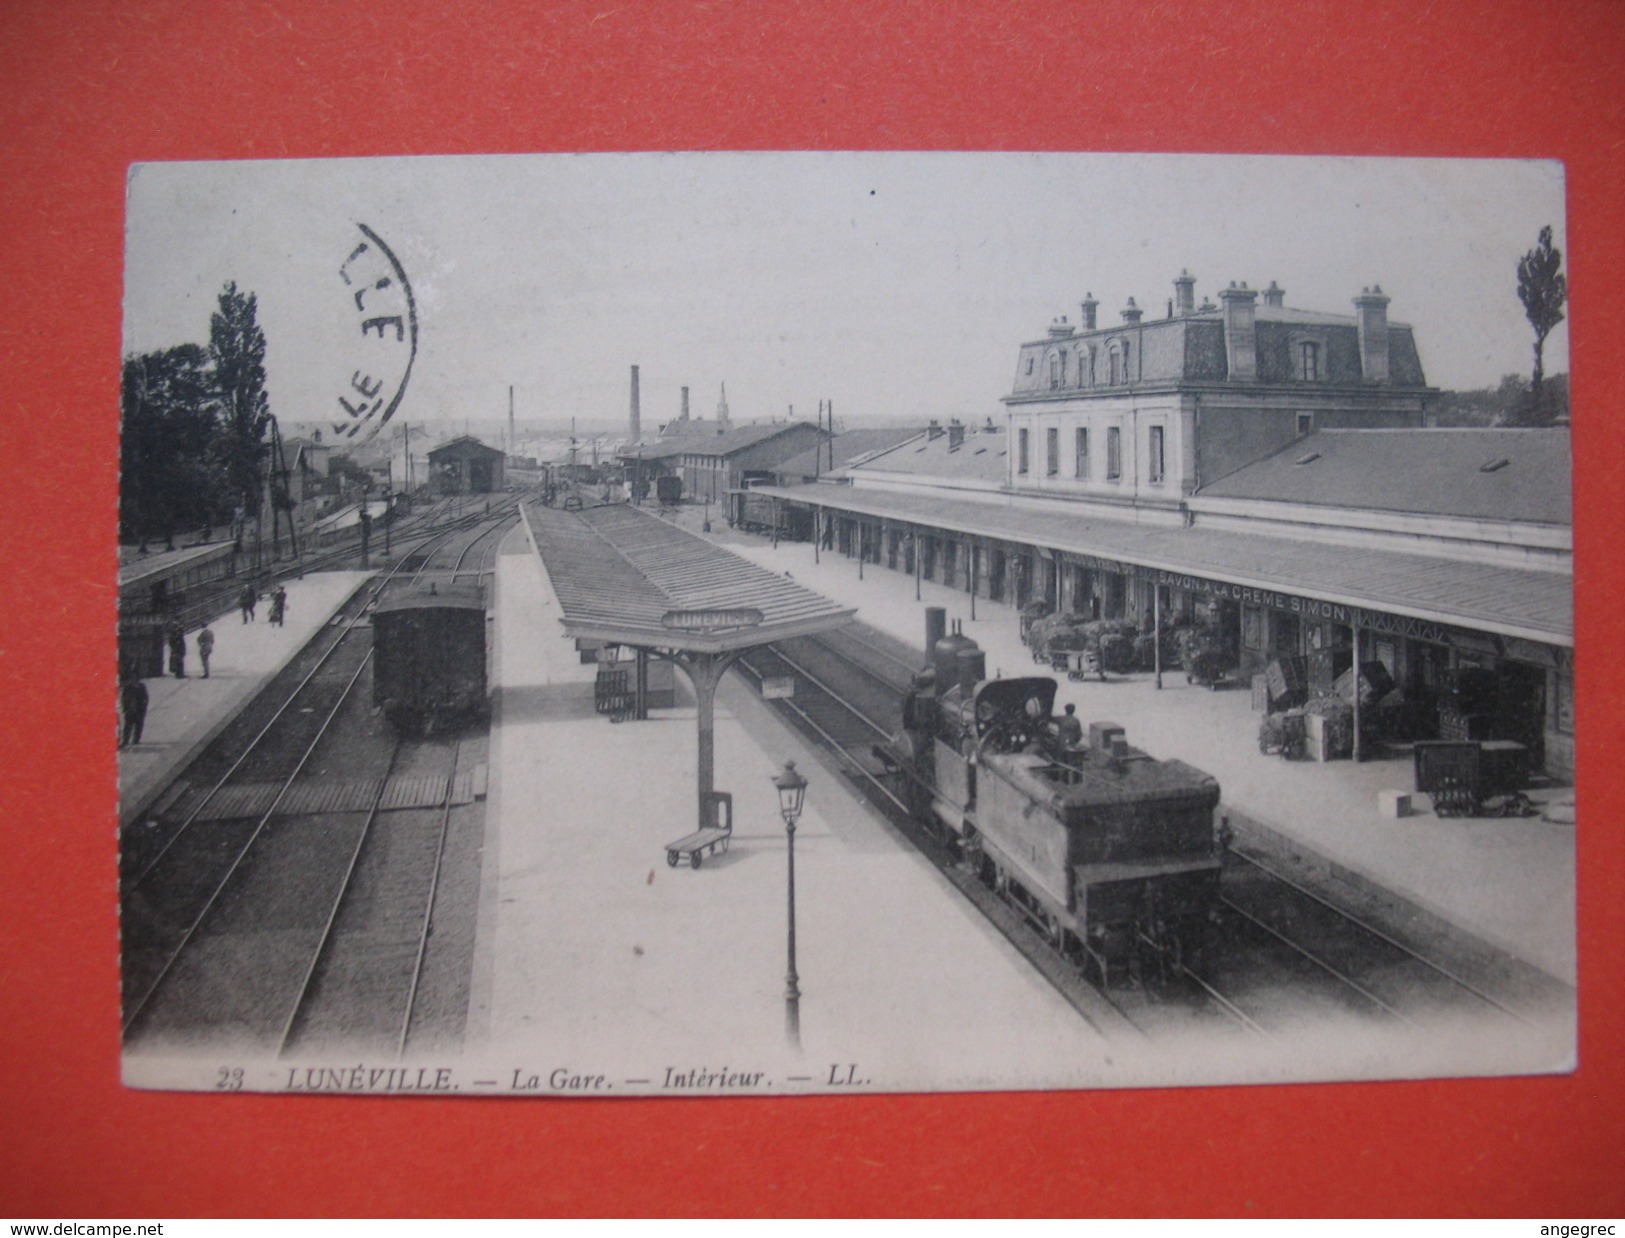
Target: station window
1114 453
1052 452
1080 455
1156 465
1114 362
1029 365
1091 367
1021 452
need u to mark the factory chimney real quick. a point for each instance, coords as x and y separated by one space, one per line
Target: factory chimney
683 416
636 428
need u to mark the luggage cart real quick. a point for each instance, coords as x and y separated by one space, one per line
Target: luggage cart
712 840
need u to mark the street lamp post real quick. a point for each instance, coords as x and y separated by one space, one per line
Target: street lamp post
792 788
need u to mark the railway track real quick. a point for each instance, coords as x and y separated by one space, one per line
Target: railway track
1281 956
405 539
287 897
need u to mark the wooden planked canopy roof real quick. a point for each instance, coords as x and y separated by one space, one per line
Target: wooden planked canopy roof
625 577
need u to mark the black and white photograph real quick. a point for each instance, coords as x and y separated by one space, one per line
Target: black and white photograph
685 624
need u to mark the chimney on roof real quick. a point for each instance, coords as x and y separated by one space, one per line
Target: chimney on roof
1373 308
1240 331
1131 312
933 429
683 416
1089 306
637 430
1274 295
1060 329
1185 294
956 434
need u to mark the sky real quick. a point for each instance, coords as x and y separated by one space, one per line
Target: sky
895 285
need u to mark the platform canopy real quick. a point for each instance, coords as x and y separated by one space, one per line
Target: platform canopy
626 577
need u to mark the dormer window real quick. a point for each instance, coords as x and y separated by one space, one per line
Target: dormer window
1029 365
1117 363
1309 362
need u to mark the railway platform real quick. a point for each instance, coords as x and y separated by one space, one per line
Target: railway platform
184 715
1508 883
600 968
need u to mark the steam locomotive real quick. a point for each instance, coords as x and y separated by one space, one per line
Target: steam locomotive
1111 854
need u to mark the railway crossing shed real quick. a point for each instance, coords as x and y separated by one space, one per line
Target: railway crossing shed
625 577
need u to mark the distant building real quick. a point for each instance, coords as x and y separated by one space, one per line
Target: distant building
1139 415
466 466
712 463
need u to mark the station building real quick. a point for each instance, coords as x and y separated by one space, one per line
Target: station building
1139 415
1272 470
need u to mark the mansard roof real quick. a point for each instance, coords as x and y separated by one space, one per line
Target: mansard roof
1190 348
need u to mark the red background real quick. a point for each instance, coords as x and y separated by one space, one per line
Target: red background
87 88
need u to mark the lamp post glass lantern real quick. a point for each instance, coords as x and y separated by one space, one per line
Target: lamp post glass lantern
792 788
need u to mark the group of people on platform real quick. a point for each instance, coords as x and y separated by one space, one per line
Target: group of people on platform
133 694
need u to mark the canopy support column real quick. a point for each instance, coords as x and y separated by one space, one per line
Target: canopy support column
1156 630
1358 751
705 672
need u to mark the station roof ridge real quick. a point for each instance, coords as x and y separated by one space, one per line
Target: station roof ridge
618 572
1261 313
719 444
461 440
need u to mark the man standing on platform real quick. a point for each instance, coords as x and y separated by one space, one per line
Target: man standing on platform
177 651
205 646
1068 728
279 605
246 599
133 704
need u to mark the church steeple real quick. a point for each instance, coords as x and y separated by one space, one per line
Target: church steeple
723 422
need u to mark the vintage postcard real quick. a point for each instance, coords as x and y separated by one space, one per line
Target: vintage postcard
761 624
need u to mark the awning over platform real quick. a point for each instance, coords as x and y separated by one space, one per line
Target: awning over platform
1533 605
627 577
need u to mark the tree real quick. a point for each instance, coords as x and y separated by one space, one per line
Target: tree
169 416
1543 289
237 350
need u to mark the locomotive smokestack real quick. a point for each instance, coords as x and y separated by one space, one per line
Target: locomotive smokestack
936 627
637 429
